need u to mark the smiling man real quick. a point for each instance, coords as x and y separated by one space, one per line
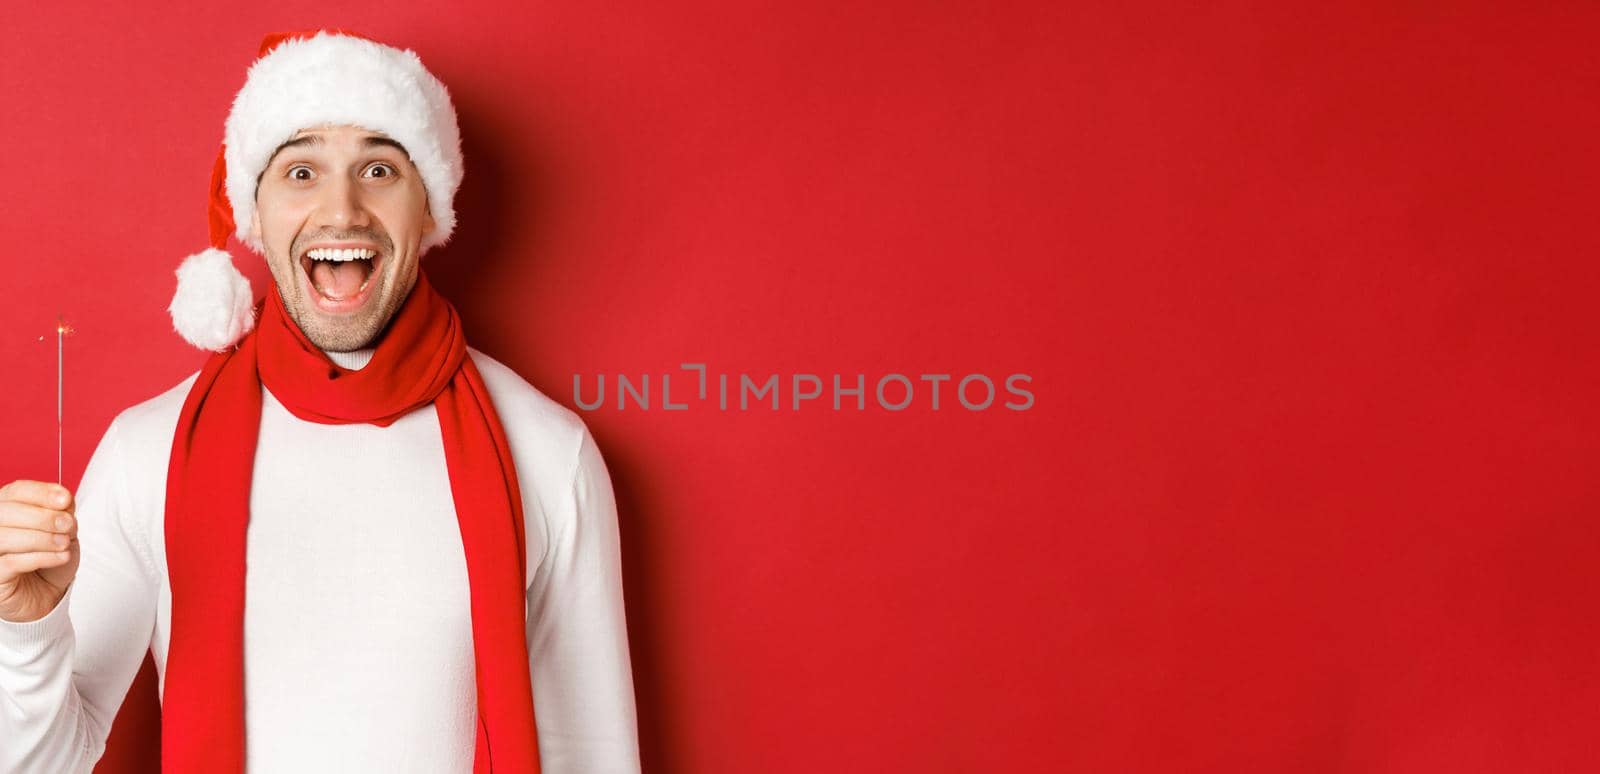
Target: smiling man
341 213
351 542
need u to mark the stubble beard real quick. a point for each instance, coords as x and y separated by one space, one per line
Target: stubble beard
348 333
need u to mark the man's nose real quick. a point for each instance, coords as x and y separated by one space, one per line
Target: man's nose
341 205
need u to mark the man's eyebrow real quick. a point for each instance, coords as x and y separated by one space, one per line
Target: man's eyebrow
312 140
373 141
307 140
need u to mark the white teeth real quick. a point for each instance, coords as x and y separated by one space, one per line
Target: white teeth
347 254
344 254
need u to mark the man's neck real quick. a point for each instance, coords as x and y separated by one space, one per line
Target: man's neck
354 360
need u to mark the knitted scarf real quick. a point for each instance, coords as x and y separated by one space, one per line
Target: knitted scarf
420 359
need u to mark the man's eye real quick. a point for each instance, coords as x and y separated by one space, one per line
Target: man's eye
389 171
294 172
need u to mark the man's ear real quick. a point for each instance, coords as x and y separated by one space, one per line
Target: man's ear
255 226
427 222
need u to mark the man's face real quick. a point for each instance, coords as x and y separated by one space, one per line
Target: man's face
333 188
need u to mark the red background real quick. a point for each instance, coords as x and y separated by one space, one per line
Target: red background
1306 294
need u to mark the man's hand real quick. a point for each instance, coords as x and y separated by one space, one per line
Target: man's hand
38 548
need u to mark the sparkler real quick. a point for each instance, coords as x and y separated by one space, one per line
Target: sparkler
63 330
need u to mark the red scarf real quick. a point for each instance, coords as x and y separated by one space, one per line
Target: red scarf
421 359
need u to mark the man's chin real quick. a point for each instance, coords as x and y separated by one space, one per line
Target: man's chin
339 332
340 340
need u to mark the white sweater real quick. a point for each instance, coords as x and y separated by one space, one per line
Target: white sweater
357 627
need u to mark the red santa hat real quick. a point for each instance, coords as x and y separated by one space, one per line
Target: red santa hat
300 80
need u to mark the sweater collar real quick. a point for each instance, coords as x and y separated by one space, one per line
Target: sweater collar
354 360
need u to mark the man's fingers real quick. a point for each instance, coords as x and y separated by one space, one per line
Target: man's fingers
12 565
21 541
41 493
27 516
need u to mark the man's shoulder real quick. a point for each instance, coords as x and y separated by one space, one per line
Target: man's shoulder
138 443
154 418
532 420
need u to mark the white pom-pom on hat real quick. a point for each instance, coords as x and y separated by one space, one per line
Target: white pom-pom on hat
300 80
213 306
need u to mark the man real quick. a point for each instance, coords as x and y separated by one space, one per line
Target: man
433 576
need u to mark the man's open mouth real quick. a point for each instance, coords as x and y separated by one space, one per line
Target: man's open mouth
340 274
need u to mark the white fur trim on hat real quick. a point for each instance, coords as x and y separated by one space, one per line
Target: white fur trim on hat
331 78
213 307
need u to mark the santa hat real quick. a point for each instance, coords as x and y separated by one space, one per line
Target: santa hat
301 80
